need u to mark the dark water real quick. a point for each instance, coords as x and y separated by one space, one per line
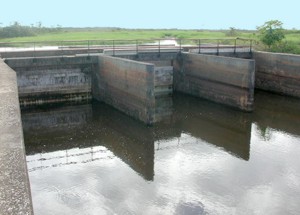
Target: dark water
202 159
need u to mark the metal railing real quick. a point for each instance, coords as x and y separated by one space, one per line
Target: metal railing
67 157
136 46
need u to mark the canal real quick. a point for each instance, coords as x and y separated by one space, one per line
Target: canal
202 158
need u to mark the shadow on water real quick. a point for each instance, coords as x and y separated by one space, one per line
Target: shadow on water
85 126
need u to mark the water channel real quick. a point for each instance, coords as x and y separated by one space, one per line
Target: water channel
203 158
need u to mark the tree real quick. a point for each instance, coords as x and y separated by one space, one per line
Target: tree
271 32
16 30
232 32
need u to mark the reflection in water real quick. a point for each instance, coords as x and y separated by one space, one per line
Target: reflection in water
277 112
217 125
81 128
92 159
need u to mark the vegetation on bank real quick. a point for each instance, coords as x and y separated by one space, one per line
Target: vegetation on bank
16 30
270 36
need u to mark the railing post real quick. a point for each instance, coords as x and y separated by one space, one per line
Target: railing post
113 48
34 54
218 47
199 43
235 46
179 45
158 47
62 49
250 46
137 47
88 49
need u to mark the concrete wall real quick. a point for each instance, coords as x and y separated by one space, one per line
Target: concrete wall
15 197
224 80
126 85
279 73
138 89
53 79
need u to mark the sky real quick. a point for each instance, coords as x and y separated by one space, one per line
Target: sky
188 14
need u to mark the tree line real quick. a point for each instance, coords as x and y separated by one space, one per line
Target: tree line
18 30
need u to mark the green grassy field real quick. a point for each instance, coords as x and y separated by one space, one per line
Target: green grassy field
125 34
117 35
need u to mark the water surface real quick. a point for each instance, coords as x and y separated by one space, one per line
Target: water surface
204 158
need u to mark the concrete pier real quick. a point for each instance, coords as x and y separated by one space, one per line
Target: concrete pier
224 80
126 85
15 197
278 73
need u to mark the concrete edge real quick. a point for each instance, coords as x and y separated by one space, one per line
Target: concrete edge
126 60
15 192
51 60
275 53
220 56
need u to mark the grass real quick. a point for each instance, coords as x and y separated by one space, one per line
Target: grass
68 34
117 35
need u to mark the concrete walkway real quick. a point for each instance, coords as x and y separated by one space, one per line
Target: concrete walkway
15 195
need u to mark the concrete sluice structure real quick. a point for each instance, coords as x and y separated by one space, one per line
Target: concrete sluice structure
140 85
135 84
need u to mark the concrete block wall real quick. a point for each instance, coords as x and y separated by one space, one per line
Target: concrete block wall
15 197
53 79
126 85
224 80
279 73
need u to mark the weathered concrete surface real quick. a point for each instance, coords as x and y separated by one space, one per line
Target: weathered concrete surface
163 81
225 80
53 79
126 85
138 89
15 197
279 73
